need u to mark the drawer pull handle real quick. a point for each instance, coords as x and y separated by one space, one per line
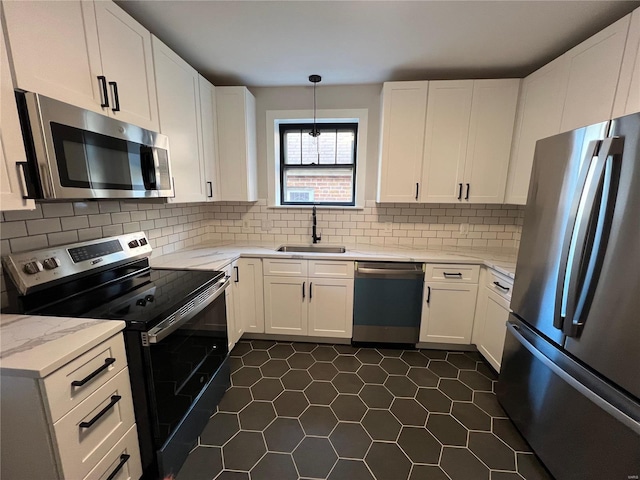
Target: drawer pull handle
107 362
123 459
114 399
502 287
447 275
428 294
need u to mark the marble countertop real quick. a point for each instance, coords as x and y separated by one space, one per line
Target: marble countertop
36 346
215 256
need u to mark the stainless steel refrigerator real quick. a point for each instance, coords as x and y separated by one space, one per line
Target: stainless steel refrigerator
570 377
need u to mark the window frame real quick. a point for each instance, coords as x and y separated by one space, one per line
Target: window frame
346 125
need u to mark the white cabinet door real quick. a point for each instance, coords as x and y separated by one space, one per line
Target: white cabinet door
493 313
594 68
236 115
11 146
628 93
54 49
285 305
330 307
493 113
230 303
179 108
402 131
539 115
445 143
447 312
248 281
127 60
209 139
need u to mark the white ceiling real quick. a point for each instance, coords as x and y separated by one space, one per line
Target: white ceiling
269 43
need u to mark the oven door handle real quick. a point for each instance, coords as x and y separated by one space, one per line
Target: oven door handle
168 326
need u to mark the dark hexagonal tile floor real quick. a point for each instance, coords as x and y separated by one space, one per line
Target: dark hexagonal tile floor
338 412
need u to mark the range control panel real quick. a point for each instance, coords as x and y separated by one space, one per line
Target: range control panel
30 270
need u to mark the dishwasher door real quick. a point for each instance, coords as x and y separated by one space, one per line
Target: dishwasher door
387 302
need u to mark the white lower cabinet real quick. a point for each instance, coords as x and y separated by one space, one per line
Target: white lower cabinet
75 423
492 313
330 307
449 303
285 305
244 298
319 304
248 293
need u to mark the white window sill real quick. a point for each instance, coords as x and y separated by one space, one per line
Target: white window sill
319 207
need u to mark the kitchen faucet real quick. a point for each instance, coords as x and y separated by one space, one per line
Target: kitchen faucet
316 238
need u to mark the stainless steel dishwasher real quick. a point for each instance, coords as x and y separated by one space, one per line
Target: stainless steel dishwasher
387 302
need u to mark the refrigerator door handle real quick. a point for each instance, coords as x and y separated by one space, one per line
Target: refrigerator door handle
570 240
588 236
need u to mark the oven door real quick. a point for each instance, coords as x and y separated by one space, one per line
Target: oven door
82 154
189 375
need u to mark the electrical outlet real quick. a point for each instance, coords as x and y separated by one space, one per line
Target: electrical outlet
464 229
388 227
245 225
267 225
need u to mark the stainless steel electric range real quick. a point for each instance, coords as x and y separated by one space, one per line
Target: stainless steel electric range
176 333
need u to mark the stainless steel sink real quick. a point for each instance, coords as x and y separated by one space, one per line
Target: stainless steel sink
311 249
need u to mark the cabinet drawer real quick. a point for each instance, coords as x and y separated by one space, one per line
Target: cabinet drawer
330 269
285 267
500 284
452 273
82 447
123 460
103 361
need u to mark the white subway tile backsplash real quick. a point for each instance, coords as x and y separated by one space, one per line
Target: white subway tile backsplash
57 210
44 225
13 229
75 223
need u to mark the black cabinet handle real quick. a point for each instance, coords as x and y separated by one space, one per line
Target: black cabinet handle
210 186
502 287
428 294
459 191
237 280
466 197
303 285
417 190
97 371
114 399
105 93
447 275
310 291
123 459
116 98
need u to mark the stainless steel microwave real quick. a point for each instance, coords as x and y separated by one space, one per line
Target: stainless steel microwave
74 153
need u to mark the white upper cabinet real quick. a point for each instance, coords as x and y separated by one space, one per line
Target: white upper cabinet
628 93
594 69
179 108
402 136
92 55
539 116
445 140
209 139
11 146
236 115
493 113
467 140
55 51
127 62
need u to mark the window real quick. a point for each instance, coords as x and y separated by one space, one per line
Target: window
320 170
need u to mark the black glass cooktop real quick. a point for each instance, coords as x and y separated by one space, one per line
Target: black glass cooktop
141 297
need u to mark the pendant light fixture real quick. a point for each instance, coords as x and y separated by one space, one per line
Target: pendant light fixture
315 133
315 79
